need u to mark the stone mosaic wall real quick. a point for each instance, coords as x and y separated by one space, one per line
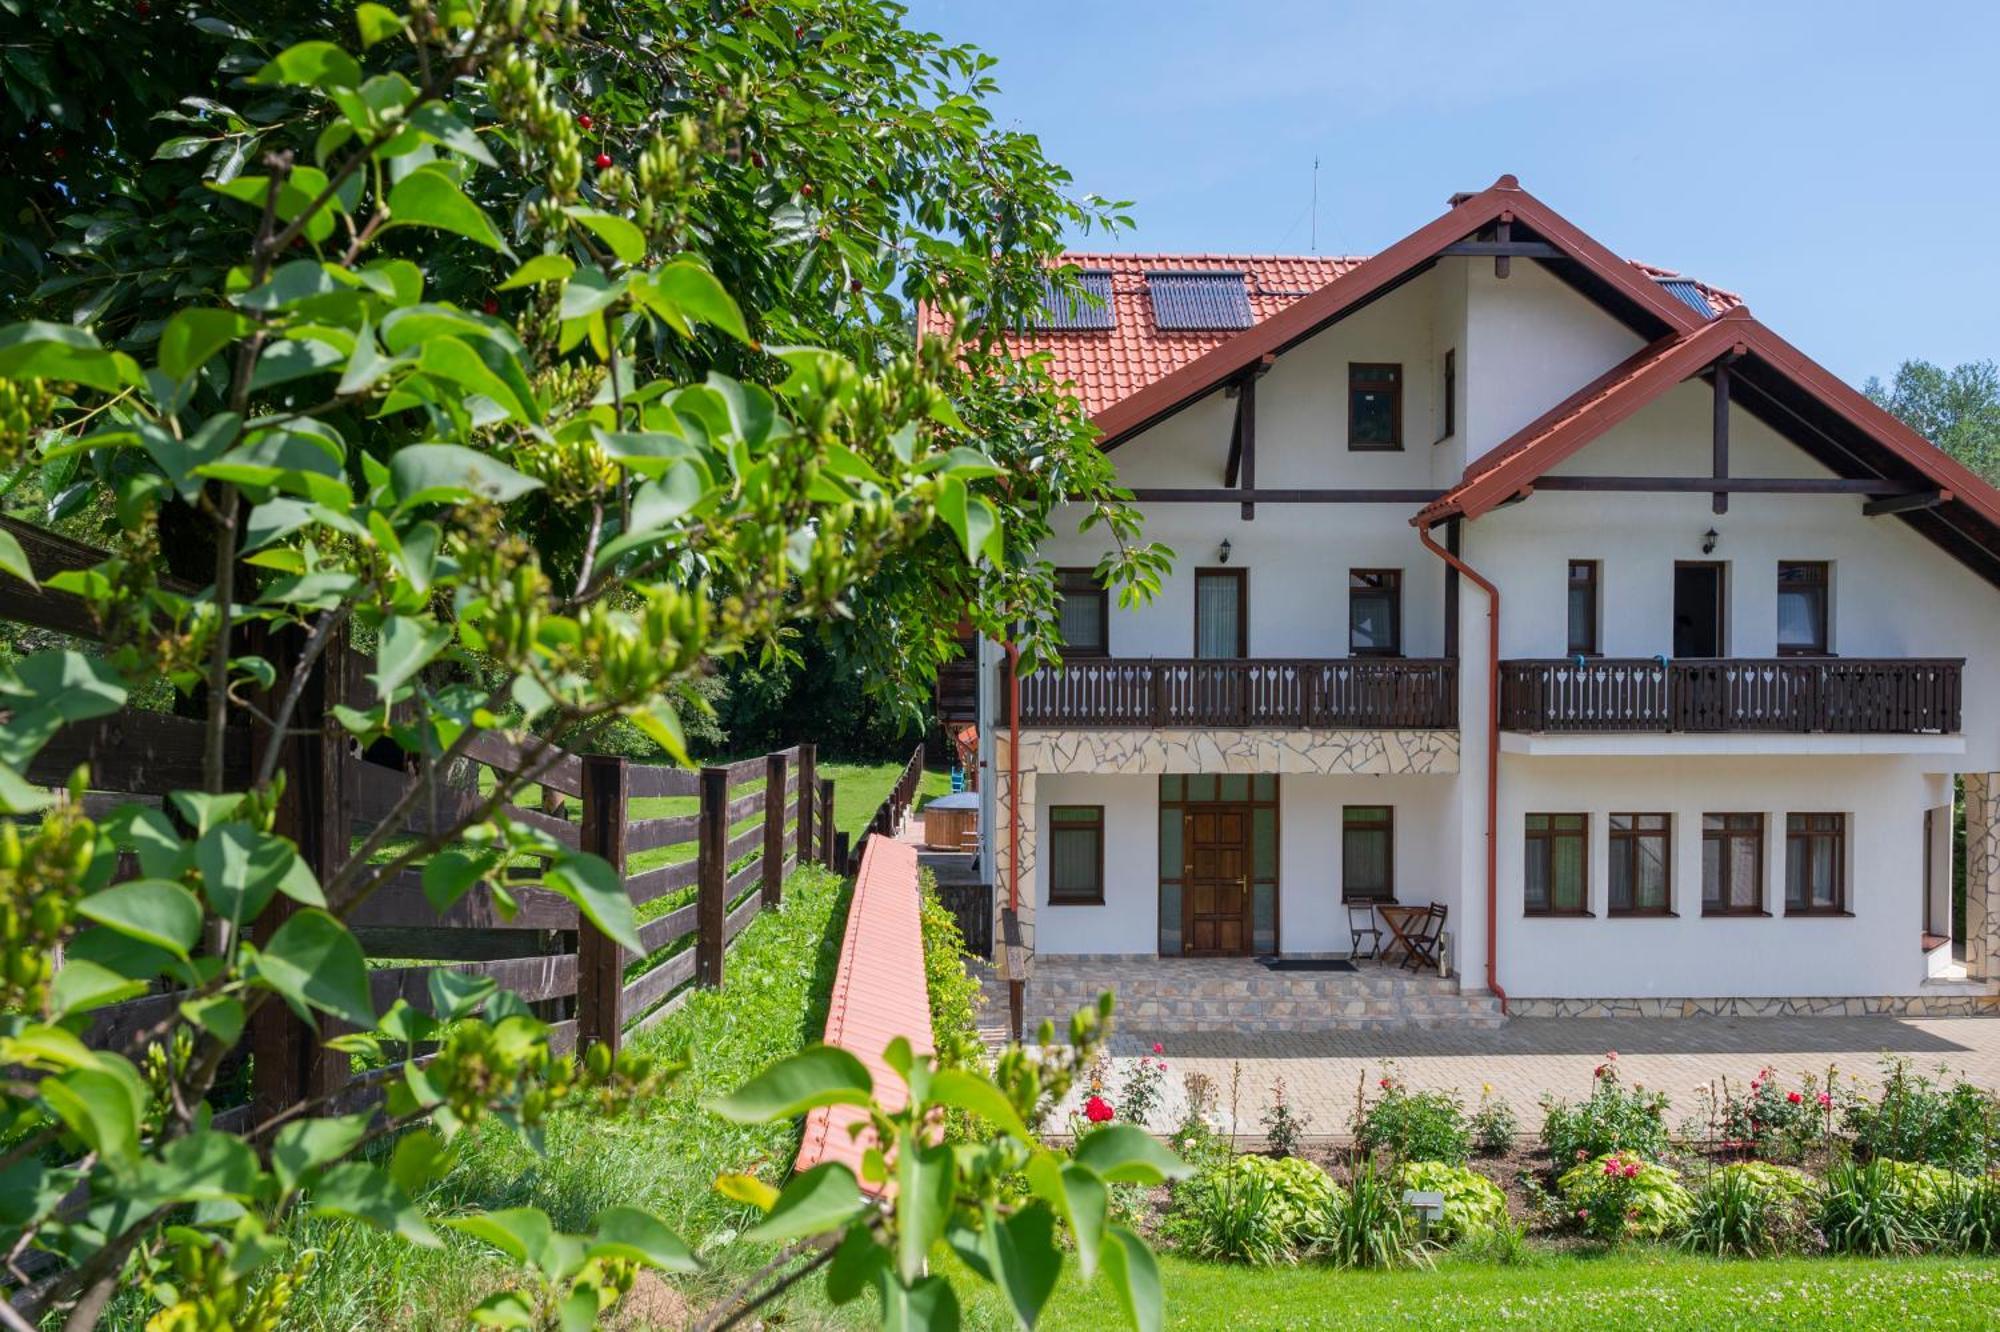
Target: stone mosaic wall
1942 1005
1982 875
1143 753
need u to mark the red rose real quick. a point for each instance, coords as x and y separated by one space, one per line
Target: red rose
1385 1084
1794 1097
1159 1048
1097 1110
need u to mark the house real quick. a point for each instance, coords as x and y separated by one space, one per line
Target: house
1519 578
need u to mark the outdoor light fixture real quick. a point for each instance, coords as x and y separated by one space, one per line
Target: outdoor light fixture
1223 553
1708 540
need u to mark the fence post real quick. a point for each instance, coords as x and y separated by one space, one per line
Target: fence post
774 829
600 962
808 791
711 901
826 856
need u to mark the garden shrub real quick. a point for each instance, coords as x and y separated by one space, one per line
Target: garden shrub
1880 1207
1622 1195
954 993
1494 1124
1142 1090
1284 1127
1368 1225
1764 1117
1918 1118
1255 1209
1473 1204
1969 1221
1610 1119
1195 1139
1414 1125
1751 1208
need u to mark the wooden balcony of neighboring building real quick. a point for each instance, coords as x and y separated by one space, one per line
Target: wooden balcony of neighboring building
1349 693
1779 695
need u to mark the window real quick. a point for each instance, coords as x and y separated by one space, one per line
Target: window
1368 853
1558 866
1815 864
1802 586
1732 864
1083 611
1076 855
1642 859
1374 408
1450 388
1583 608
1375 612
1221 613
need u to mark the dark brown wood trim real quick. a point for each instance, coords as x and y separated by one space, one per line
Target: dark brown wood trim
1910 503
1246 417
1364 693
1501 249
1189 495
1735 485
1242 609
1096 826
1797 695
1376 377
1719 503
1453 537
1592 580
1251 804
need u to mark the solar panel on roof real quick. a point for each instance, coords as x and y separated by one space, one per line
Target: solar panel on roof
1201 300
1060 310
1689 293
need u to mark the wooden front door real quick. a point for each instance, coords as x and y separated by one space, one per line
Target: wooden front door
1216 911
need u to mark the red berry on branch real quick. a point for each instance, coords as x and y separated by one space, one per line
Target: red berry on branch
143 8
854 285
603 160
584 121
491 306
757 160
806 190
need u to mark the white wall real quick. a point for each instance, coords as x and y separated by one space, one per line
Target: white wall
1129 920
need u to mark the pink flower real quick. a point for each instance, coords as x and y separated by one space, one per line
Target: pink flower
1582 1155
1582 1215
1385 1084
1631 1170
1794 1097
1610 1054
1601 1071
1097 1110
1611 1166
1825 1101
1159 1048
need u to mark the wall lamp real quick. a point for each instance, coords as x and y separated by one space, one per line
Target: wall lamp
1222 551
1708 540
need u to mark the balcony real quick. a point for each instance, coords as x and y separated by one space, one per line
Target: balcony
1784 695
1351 693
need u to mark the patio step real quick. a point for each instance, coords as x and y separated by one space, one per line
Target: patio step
1168 995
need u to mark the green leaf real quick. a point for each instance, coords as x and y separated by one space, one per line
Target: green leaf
971 1092
627 242
305 1145
925 1180
972 520
221 1016
541 268
152 911
928 1305
424 473
179 458
82 985
1123 1154
436 122
694 291
313 962
821 1199
377 23
37 350
522 1233
429 197
655 504
598 891
406 647
311 65
46 691
194 335
241 868
628 1232
1135 1277
102 1107
821 1075
449 875
1089 1206
1022 1252
455 362
203 1166
14 560
455 995
367 1193
419 1159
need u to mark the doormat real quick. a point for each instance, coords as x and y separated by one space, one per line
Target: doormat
1308 964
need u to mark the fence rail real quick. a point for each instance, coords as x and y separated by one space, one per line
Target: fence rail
888 816
1849 696
1360 693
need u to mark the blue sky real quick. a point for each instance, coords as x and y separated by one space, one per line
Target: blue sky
1833 162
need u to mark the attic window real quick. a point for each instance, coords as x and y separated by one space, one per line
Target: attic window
1063 311
1689 293
1199 301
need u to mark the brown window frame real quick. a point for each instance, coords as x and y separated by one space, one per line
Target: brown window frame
1726 835
1625 843
1552 834
1094 826
1359 380
1079 583
1823 581
1450 394
1242 610
1387 827
1837 834
1594 582
1395 589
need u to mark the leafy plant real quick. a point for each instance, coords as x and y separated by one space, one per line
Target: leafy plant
1621 1195
1413 1125
1918 1118
1140 1094
1195 1139
1369 1225
1493 1124
953 991
1872 1208
1284 1127
1610 1119
1750 1208
1969 1220
1254 1209
1473 1204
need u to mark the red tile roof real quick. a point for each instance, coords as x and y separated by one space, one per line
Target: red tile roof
878 994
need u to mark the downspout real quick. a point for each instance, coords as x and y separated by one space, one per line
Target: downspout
1016 984
1492 755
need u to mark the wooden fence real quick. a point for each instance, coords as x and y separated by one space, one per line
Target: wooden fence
700 853
889 815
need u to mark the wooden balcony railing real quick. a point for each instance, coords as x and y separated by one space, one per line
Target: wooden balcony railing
1838 695
1353 693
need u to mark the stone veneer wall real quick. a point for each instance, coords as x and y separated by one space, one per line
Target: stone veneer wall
1982 875
1140 752
1917 1005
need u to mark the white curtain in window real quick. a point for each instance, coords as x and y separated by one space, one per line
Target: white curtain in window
1217 617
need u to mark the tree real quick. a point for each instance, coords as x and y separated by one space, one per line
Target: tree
1958 409
507 460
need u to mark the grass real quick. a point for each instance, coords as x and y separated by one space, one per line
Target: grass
663 1157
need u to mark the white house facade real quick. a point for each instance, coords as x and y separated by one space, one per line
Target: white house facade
1522 580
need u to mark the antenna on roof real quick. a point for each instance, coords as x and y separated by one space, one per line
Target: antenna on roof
1315 205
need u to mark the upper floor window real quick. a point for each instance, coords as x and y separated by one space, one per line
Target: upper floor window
1083 611
1374 407
1375 612
1583 608
1221 613
1802 589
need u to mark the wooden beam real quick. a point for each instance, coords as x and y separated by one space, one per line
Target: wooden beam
1244 495
1916 499
1233 466
1502 249
1720 501
1246 431
1503 233
1735 485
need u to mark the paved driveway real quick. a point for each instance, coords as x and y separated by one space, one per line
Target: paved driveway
1530 1056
